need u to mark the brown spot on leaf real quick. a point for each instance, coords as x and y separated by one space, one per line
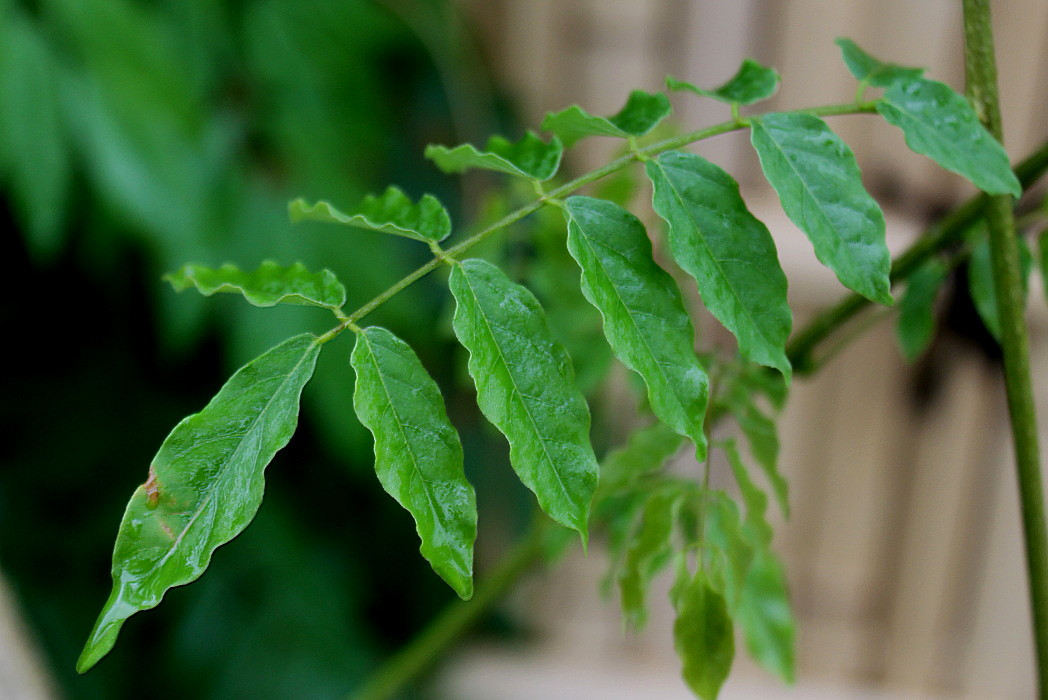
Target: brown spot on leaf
152 489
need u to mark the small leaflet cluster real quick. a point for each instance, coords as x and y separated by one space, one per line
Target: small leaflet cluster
206 482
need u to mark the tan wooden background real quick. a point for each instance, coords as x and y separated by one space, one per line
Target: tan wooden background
904 549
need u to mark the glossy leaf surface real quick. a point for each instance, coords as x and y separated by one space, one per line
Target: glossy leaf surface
393 212
642 113
751 83
204 486
730 253
418 455
916 323
876 73
531 157
644 317
940 124
269 285
525 387
702 635
820 187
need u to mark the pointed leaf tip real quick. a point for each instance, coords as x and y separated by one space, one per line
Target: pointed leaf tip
269 285
642 112
876 73
392 212
751 83
530 157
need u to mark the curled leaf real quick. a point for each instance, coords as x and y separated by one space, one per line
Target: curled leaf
269 285
531 157
393 212
642 113
876 73
751 83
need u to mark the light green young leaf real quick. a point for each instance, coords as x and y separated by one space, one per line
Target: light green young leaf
642 113
531 157
916 310
644 317
1042 249
820 187
723 536
702 634
204 486
418 455
752 83
876 73
728 251
940 124
645 452
269 285
525 387
392 212
758 531
980 279
765 616
34 153
650 550
762 436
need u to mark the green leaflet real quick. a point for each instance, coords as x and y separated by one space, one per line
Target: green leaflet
525 388
728 251
1042 249
269 285
765 616
642 113
418 455
702 634
204 486
758 530
761 433
34 154
644 317
646 450
650 550
916 310
392 212
752 83
940 124
531 157
820 187
867 68
723 536
980 279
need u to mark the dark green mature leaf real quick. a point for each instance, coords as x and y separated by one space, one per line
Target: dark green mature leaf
728 251
531 157
204 486
820 187
702 634
642 113
980 279
392 212
418 455
644 317
269 285
525 388
940 124
752 83
765 616
916 310
876 73
34 153
649 551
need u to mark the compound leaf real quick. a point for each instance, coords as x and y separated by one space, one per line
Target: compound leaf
752 83
204 486
728 251
525 387
820 187
642 113
876 73
418 455
939 123
644 317
393 212
702 634
916 310
531 157
269 285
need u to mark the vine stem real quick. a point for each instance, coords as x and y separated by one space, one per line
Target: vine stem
981 71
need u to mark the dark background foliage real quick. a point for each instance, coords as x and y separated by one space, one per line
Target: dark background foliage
135 136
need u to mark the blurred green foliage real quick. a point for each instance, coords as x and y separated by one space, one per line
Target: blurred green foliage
136 136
